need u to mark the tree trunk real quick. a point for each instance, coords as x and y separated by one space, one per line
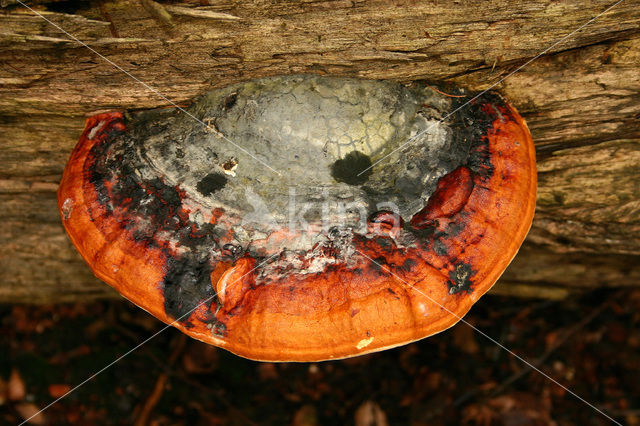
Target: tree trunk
580 99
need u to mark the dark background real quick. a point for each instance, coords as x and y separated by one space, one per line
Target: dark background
590 344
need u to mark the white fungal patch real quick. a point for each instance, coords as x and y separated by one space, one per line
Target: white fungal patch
67 208
221 285
319 264
310 128
95 129
173 243
197 213
231 171
364 343
422 308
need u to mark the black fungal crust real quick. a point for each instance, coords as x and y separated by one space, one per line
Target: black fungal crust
112 172
230 101
460 278
470 126
186 284
211 183
472 123
353 169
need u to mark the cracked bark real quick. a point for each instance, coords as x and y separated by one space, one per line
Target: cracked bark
581 101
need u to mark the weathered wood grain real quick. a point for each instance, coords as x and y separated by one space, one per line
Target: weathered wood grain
581 101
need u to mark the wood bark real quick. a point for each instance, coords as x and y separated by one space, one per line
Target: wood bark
581 100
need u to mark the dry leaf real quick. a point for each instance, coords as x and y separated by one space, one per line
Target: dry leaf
58 390
370 414
16 389
30 411
465 339
305 416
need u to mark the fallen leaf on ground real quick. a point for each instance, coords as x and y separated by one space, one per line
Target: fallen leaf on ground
305 416
30 411
58 390
370 414
16 389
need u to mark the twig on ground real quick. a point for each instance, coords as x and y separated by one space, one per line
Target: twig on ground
568 333
158 389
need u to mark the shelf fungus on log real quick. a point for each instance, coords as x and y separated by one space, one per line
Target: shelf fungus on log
386 210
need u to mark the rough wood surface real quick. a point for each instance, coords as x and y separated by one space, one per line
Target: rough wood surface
581 101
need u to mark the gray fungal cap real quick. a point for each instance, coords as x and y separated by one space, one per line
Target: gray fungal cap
323 135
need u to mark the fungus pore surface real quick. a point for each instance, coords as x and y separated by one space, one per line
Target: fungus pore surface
384 214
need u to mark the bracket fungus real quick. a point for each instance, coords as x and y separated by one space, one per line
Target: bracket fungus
393 209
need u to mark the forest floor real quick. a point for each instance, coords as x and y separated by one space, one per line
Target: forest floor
590 344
